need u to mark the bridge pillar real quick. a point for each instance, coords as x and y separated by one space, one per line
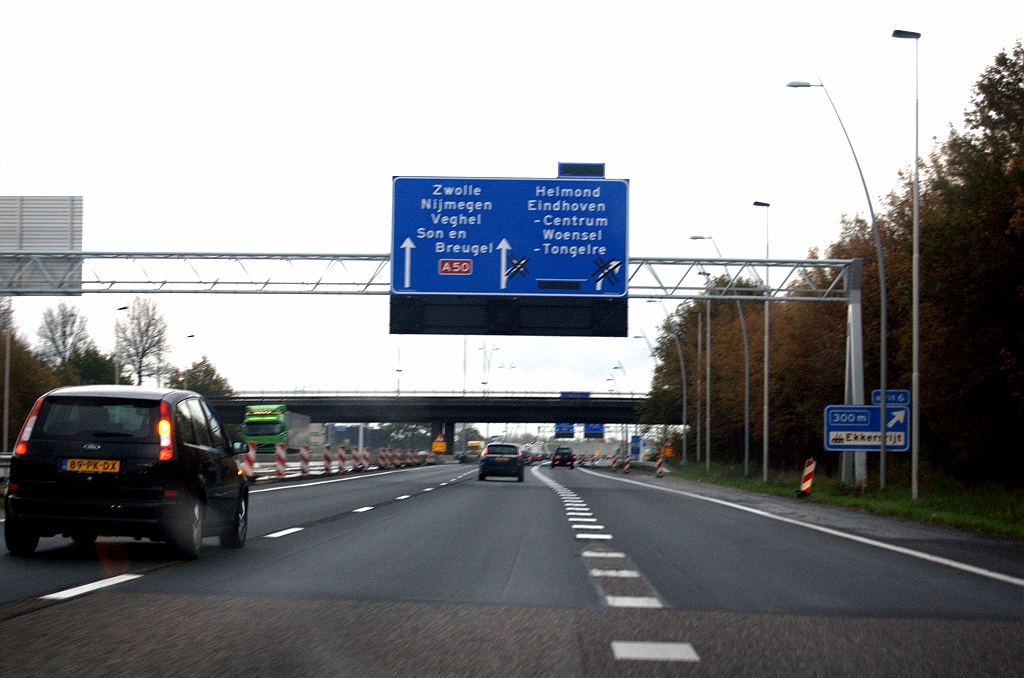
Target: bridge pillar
448 429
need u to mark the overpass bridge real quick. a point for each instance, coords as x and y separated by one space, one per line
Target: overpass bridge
441 410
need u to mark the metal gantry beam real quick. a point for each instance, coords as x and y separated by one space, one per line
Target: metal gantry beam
53 273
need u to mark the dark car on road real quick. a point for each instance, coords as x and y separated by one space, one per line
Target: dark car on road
501 459
125 461
563 457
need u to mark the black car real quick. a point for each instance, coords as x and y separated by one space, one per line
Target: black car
563 457
125 461
501 459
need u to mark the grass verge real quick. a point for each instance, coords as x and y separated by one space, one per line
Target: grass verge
991 509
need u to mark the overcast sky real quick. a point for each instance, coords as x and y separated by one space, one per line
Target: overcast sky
277 127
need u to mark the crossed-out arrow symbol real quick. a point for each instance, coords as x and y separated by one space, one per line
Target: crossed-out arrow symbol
606 271
518 266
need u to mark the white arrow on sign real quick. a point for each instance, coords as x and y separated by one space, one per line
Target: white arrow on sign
504 247
897 417
408 246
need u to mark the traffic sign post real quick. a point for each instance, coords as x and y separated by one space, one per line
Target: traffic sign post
522 237
858 427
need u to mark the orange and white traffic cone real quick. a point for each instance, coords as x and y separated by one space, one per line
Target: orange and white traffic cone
805 485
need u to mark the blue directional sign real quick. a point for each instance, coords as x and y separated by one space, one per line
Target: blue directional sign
892 397
858 427
565 430
593 430
540 237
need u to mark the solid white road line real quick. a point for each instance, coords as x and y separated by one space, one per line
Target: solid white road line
603 554
290 530
664 652
363 509
86 588
633 601
620 574
835 533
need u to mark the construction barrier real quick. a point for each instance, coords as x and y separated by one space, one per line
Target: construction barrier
661 466
805 485
250 459
341 459
431 459
282 460
366 459
304 459
327 460
625 468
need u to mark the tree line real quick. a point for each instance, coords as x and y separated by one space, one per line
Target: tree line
971 313
64 354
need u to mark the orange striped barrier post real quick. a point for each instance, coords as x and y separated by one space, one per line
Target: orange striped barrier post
805 485
661 466
282 460
341 459
327 460
625 468
304 459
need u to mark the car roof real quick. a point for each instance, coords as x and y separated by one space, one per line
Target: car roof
112 391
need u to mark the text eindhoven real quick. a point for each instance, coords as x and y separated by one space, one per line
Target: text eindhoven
469 212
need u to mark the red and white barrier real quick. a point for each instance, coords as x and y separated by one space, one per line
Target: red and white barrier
661 464
431 459
410 458
805 485
304 459
282 460
327 459
249 467
341 459
366 459
625 468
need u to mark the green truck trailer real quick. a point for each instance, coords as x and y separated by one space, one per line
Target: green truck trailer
268 425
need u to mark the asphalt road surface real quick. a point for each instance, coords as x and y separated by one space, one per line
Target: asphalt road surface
429 572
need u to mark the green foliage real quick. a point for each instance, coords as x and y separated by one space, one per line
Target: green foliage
201 377
400 435
30 378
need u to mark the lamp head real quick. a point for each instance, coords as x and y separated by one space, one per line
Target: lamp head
798 83
906 34
758 203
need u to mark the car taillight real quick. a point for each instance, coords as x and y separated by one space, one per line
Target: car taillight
26 430
164 429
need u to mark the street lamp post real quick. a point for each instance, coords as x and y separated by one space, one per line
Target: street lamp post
707 382
117 360
883 329
767 327
746 370
184 373
915 378
682 372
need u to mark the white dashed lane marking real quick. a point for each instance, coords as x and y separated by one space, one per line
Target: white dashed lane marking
587 527
363 509
633 601
647 651
86 588
582 520
590 535
282 533
603 554
406 496
620 574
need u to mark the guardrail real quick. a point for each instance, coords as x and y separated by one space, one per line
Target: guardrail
271 395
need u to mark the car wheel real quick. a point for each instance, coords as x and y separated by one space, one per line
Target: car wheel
234 538
187 532
481 476
519 478
20 541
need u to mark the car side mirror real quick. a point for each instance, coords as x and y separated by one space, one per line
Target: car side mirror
238 447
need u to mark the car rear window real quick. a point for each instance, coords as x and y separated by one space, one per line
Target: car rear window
85 418
502 449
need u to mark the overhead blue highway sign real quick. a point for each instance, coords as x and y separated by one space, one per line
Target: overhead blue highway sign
892 397
538 237
858 427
